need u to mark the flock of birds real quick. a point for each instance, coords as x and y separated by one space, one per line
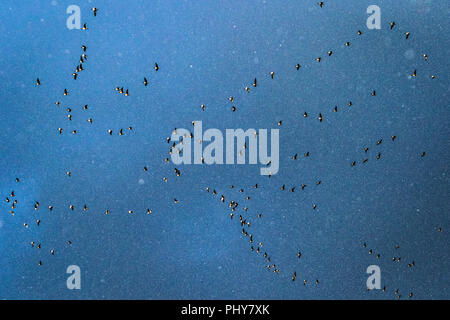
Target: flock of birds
238 211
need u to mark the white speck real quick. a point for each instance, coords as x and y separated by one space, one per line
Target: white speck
141 181
54 3
409 54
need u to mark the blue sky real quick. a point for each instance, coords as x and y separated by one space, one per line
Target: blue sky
206 53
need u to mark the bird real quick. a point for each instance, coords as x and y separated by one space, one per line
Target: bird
255 83
272 74
297 67
84 27
94 10
392 25
145 81
407 35
38 82
156 67
320 4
